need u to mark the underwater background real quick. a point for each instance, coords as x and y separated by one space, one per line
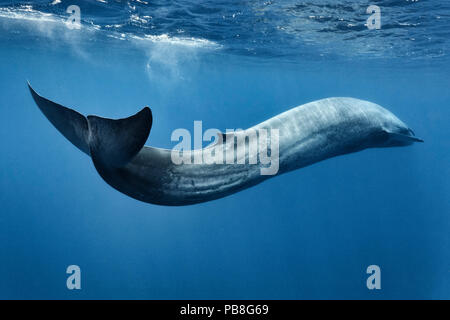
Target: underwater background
308 234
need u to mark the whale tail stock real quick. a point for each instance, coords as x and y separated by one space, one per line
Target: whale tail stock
110 143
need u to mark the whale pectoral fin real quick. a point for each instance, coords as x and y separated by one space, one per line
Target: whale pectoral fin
70 123
113 143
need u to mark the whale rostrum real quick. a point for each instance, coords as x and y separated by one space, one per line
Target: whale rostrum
305 135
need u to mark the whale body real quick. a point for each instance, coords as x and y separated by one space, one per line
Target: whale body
306 134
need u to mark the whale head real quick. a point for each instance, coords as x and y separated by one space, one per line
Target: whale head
394 132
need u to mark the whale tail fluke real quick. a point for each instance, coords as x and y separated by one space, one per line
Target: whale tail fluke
71 124
115 142
110 143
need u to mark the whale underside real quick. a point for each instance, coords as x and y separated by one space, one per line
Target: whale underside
306 134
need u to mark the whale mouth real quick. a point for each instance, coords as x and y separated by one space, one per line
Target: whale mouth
403 139
412 136
415 139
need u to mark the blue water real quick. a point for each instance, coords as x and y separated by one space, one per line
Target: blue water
308 234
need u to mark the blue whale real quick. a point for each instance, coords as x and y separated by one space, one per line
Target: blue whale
306 134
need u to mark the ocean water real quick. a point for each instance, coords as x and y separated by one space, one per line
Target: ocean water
308 234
